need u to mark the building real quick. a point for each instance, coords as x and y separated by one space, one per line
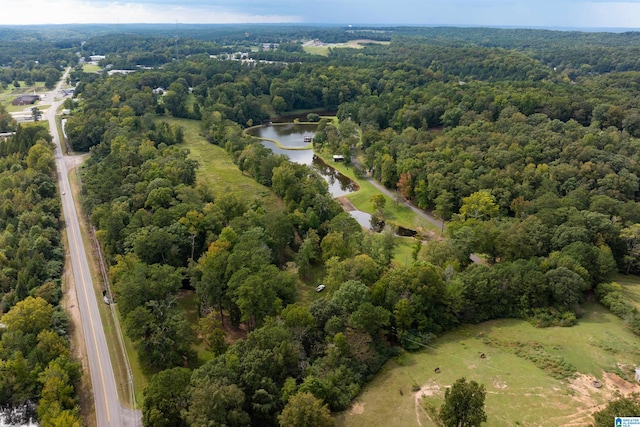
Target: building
96 58
25 100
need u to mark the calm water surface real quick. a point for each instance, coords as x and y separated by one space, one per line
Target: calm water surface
291 136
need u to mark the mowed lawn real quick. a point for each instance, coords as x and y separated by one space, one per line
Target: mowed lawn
517 371
395 213
10 93
630 288
215 168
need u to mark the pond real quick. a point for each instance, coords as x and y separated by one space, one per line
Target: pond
292 136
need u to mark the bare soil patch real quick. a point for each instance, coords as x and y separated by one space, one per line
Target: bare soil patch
426 390
357 408
592 398
73 162
499 384
346 204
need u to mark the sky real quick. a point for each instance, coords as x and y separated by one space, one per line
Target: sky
519 13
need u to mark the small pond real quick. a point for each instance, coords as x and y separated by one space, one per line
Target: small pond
289 135
292 137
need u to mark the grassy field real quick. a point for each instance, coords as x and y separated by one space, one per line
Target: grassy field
323 50
523 372
395 213
7 95
630 288
90 68
215 168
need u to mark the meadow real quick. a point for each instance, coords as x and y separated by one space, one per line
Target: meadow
541 377
630 288
323 49
9 94
533 376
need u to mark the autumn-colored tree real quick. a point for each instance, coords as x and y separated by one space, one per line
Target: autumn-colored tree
306 410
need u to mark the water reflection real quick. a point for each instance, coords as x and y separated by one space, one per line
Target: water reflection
363 218
339 185
292 136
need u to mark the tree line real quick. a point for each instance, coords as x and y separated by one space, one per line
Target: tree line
532 169
36 366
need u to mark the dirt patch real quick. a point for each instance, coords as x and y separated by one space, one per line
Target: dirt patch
357 408
346 204
72 162
426 390
593 398
584 391
611 384
613 381
232 333
499 384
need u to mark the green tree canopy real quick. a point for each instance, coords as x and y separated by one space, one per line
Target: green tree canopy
463 404
305 410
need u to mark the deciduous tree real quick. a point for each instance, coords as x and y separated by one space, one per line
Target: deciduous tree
306 410
463 404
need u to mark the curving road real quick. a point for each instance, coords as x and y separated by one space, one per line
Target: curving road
109 412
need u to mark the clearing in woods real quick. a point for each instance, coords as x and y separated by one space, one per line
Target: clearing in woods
533 377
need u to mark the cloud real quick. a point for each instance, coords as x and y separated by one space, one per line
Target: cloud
525 13
82 11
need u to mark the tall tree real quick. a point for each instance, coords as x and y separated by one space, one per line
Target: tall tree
463 404
166 398
306 410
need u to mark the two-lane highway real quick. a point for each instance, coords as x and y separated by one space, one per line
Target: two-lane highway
109 412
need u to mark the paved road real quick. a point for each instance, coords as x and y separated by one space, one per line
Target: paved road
109 412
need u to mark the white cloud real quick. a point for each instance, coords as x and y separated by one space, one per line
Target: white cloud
549 13
613 14
25 12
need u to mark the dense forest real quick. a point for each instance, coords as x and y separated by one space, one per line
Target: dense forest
36 368
524 141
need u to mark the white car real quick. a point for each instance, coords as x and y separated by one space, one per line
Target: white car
320 288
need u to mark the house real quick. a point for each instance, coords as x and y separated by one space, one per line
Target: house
96 58
25 100
338 158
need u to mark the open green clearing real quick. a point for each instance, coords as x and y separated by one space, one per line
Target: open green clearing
215 168
90 68
395 213
522 372
630 288
7 95
323 49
